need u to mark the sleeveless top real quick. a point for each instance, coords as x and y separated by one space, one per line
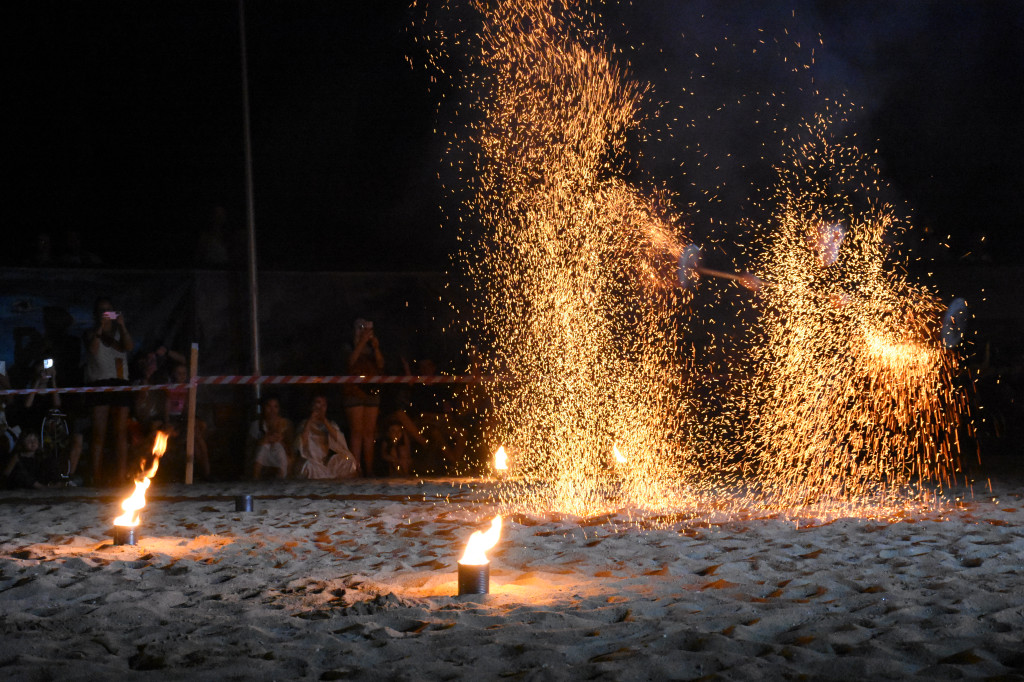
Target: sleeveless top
107 364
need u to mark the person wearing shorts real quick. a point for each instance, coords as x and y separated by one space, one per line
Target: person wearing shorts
362 401
107 346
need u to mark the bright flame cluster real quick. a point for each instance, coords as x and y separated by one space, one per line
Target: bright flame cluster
137 500
480 543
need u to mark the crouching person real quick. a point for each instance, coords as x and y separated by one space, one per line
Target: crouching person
271 438
322 446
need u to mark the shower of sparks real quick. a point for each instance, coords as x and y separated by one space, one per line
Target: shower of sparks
571 267
845 401
851 389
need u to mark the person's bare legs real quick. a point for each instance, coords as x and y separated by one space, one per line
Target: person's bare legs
75 454
120 422
369 433
354 413
257 470
201 451
100 415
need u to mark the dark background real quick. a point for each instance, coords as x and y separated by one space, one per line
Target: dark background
126 119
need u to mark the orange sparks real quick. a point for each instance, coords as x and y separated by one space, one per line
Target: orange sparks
833 391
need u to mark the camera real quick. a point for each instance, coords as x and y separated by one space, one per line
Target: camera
48 363
110 315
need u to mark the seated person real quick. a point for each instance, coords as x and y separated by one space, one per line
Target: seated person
176 417
9 432
396 450
149 408
271 439
425 415
36 407
27 467
322 446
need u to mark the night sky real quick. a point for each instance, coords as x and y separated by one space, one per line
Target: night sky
127 119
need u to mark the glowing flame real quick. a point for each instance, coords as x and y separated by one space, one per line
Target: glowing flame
500 459
619 459
479 543
137 500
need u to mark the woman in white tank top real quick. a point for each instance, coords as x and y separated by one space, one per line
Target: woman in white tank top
108 344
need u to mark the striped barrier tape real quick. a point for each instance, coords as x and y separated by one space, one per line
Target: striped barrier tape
244 380
289 379
91 389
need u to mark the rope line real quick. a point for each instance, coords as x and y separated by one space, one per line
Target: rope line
252 379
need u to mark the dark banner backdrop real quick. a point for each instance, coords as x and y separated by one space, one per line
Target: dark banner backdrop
306 318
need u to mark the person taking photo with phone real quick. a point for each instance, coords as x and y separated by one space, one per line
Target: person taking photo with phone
107 346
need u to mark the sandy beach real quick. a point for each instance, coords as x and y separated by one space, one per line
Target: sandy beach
355 580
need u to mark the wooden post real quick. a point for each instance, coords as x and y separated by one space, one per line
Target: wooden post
190 432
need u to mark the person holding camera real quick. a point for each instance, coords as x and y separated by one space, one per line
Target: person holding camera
362 401
108 344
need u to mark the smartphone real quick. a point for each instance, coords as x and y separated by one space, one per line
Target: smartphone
110 315
48 363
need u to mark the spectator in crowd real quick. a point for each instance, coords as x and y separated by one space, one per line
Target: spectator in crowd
66 350
425 414
362 401
9 433
42 414
176 418
27 467
322 446
271 437
107 346
148 409
37 406
396 450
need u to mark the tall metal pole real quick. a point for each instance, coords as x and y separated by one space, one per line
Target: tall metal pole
250 204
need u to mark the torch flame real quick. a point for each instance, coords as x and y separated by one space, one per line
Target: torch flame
479 543
137 500
619 459
500 459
